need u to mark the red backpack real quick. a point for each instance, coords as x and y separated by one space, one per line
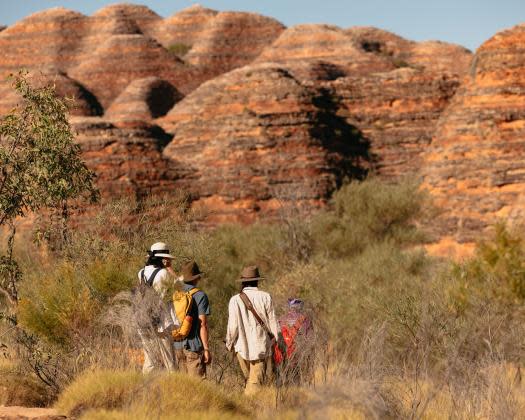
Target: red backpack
285 351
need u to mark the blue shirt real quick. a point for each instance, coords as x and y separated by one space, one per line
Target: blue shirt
200 306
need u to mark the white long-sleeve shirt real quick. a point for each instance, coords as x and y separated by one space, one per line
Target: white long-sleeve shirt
244 333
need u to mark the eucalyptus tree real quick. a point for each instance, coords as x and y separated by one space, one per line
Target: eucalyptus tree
40 167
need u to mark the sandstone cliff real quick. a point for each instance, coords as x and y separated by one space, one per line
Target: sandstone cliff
473 166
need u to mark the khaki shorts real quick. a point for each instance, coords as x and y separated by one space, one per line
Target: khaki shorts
191 362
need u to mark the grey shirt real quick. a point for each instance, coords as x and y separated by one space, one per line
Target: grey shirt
200 306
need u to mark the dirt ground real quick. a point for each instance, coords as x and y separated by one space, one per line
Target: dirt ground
25 413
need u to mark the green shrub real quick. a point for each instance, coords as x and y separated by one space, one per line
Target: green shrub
65 302
349 295
179 49
498 267
366 213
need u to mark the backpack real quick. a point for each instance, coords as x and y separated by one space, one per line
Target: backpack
287 349
144 280
147 305
182 303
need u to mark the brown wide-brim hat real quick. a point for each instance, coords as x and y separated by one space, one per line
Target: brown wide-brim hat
250 273
191 272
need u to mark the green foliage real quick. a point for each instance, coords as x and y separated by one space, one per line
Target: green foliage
40 166
498 267
40 163
62 303
369 212
179 49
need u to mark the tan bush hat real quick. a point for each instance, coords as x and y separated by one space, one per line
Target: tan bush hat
190 272
160 249
250 273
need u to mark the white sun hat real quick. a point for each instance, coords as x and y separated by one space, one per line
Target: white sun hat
160 249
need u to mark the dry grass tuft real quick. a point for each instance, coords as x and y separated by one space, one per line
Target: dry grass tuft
154 395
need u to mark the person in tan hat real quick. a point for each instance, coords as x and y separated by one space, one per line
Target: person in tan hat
193 353
157 275
252 330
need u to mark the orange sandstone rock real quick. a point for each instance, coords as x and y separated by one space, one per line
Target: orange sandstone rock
128 160
255 137
324 43
144 100
232 39
473 166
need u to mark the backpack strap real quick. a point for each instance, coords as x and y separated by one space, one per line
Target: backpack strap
191 292
250 307
149 282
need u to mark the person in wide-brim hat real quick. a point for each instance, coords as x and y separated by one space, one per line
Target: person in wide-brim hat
193 352
252 345
250 273
157 275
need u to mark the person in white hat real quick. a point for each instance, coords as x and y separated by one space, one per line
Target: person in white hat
158 274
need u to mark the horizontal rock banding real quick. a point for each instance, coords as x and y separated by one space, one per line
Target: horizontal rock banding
256 115
397 113
256 138
128 160
473 166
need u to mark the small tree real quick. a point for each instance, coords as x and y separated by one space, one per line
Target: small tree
40 166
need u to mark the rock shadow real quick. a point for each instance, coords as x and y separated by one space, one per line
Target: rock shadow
349 151
161 97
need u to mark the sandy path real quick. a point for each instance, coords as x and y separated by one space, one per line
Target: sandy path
25 413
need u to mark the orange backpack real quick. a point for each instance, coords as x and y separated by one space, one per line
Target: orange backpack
280 354
182 302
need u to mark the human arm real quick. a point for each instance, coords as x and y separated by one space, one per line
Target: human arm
204 335
232 331
203 308
272 319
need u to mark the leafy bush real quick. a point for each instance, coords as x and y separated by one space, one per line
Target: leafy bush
179 49
498 267
64 302
366 213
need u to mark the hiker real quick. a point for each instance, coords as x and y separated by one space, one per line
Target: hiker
193 351
294 357
157 275
252 328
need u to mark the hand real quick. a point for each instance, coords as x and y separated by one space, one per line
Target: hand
163 334
207 357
